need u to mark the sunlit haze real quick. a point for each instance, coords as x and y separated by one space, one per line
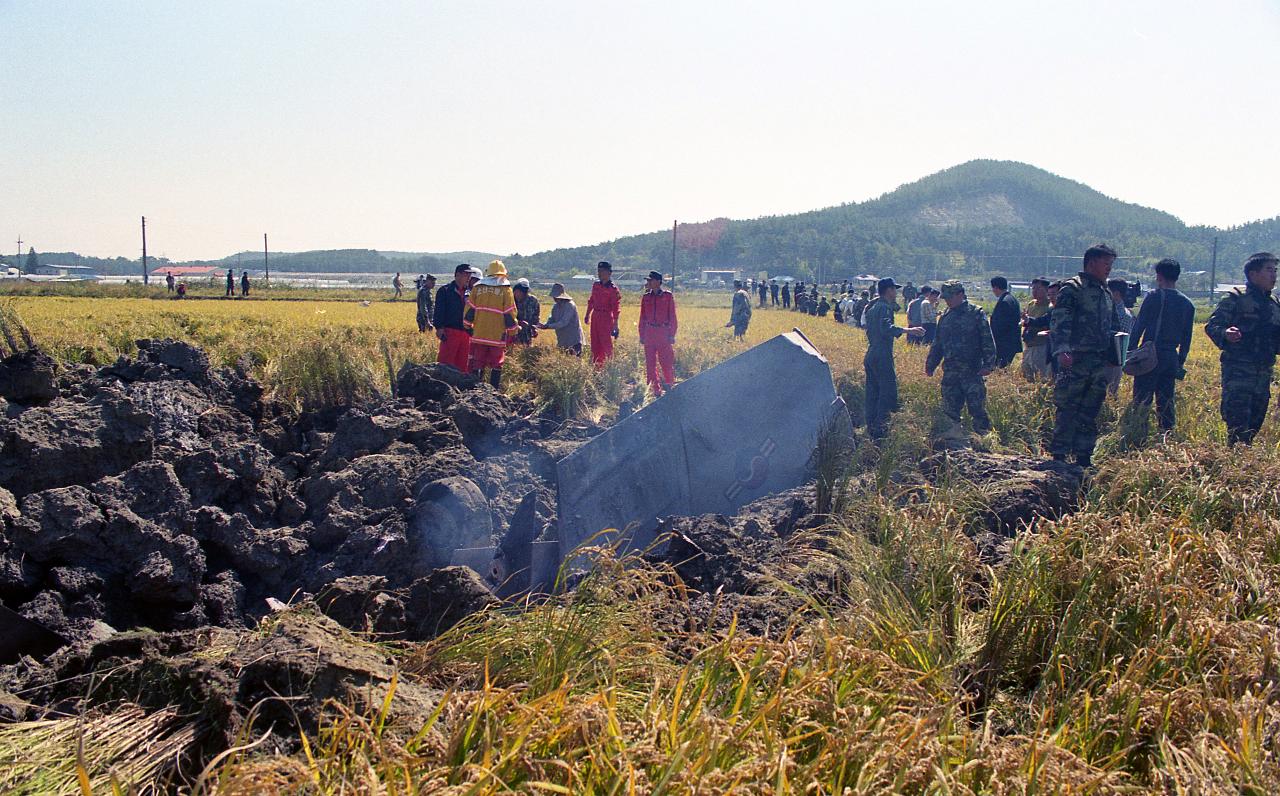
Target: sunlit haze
523 126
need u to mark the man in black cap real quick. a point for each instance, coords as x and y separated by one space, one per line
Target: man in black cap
773 291
1246 327
786 295
658 326
450 307
603 309
882 379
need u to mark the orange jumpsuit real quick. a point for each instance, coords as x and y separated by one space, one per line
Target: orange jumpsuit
603 309
658 326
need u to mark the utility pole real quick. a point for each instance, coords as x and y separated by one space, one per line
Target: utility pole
674 225
18 262
1213 272
146 279
266 266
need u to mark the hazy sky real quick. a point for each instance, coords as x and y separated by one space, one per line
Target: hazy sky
522 126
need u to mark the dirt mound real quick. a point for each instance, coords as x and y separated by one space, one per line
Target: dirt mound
1017 491
280 675
163 492
735 564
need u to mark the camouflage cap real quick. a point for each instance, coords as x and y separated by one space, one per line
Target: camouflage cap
951 287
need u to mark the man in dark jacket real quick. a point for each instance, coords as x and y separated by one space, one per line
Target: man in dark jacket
1082 325
1006 322
786 296
1246 327
773 291
1165 319
882 379
450 309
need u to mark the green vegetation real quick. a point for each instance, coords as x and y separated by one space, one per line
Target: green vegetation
973 219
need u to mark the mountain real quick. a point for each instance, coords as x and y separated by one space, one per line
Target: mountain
980 217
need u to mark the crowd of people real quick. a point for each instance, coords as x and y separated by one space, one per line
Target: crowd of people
478 316
1079 333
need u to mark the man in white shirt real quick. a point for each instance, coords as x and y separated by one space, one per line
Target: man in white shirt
929 312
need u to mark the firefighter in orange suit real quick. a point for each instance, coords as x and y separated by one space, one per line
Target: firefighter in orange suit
602 314
658 326
491 316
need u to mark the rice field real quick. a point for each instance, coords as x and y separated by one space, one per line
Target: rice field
1133 646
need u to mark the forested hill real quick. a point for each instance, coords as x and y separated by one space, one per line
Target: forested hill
980 217
327 261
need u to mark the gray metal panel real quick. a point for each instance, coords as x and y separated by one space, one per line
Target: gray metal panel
743 429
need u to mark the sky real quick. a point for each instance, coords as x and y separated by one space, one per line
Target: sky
524 126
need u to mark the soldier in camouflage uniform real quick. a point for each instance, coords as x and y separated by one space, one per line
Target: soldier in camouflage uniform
1246 326
967 351
1081 334
882 379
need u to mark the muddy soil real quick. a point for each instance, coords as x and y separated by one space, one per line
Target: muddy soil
160 514
161 492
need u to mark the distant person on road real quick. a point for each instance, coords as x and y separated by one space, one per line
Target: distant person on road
564 320
528 312
397 285
1246 327
1006 322
244 284
1123 323
1081 332
168 281
882 379
786 296
740 314
426 289
967 352
773 291
658 325
491 316
1035 332
603 309
450 308
231 283
1165 318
